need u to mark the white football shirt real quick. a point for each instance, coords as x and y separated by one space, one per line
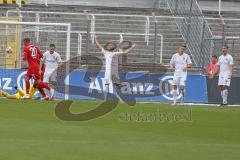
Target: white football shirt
180 62
51 60
111 60
224 62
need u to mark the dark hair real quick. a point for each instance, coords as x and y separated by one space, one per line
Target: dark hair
105 46
184 45
226 46
26 40
214 56
52 45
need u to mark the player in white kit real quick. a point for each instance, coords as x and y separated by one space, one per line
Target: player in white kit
111 63
225 62
180 62
52 60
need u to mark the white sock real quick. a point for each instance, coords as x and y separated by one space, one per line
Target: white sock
105 93
225 96
52 91
174 96
222 96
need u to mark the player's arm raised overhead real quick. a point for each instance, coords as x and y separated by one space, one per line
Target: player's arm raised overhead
130 49
97 44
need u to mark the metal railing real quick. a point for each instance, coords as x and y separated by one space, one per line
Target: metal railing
227 31
92 26
194 29
158 50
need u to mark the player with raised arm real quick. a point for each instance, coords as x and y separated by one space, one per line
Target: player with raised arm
52 60
111 63
33 56
180 63
225 62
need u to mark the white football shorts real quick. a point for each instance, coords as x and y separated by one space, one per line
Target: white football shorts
224 80
111 77
50 75
179 79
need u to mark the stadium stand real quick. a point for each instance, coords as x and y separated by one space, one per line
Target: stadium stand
225 26
128 24
123 3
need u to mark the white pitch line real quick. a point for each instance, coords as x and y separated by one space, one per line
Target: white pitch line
113 142
189 104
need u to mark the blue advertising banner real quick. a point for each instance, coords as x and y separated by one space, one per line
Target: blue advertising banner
134 85
138 85
10 78
214 94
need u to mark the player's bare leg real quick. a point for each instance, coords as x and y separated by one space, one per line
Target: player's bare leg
7 95
26 96
40 86
174 95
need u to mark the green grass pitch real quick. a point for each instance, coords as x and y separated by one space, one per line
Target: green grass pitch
29 130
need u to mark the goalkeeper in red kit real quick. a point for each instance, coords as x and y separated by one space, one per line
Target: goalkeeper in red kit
33 56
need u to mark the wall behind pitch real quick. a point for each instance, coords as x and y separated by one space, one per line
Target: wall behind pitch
214 95
135 85
139 86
